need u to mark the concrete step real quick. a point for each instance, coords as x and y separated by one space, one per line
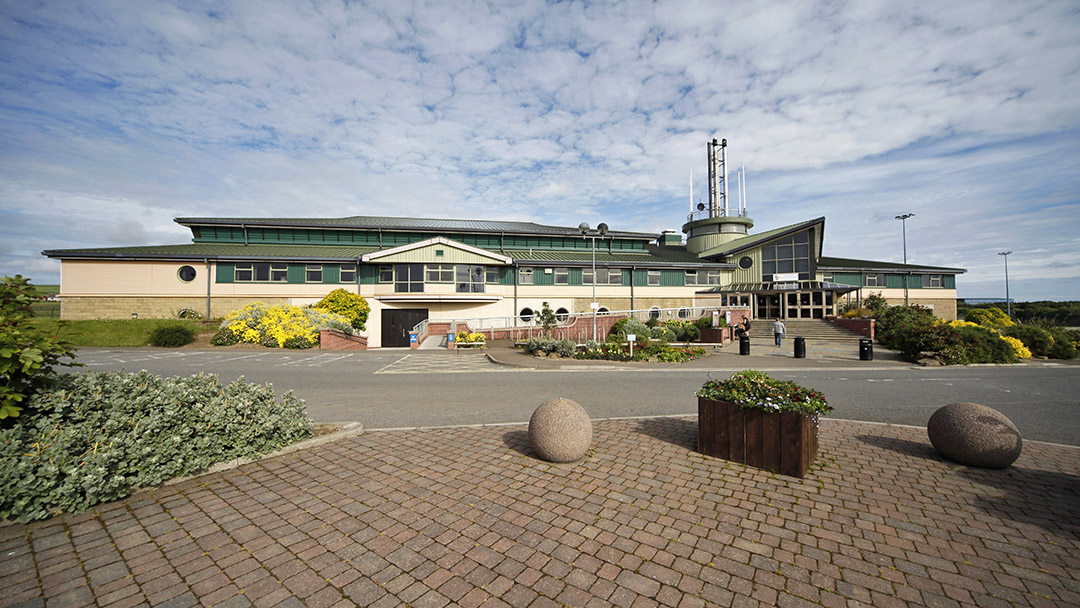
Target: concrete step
811 329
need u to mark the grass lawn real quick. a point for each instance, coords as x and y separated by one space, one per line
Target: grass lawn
119 332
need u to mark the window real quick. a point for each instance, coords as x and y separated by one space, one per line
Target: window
602 311
654 277
789 255
684 313
604 276
526 315
746 262
469 279
440 273
186 274
525 276
827 277
348 273
313 273
491 274
386 273
703 277
931 280
260 271
562 315
562 276
874 279
409 278
654 312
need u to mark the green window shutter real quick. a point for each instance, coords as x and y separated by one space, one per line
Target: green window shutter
369 274
848 278
331 273
948 281
896 281
575 276
225 272
542 277
297 273
641 277
506 275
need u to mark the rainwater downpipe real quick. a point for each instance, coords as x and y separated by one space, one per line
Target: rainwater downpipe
207 260
244 227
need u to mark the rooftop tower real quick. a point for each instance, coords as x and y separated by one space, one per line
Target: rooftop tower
708 227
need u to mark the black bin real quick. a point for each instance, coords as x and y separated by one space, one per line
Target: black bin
800 347
866 349
744 344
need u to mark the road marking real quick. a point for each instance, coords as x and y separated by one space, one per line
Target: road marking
445 365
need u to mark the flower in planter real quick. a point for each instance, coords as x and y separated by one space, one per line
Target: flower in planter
751 389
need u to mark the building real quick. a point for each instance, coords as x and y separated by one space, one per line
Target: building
489 273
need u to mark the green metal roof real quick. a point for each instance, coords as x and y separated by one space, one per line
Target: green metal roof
405 223
828 263
653 256
216 251
749 242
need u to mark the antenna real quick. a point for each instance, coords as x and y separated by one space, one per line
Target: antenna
691 193
717 177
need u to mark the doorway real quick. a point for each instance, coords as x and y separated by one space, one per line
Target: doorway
398 322
768 306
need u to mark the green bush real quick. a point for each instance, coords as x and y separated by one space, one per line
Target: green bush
627 326
1038 340
27 353
983 345
347 304
279 326
94 435
172 336
704 322
908 329
876 304
685 331
563 348
1065 342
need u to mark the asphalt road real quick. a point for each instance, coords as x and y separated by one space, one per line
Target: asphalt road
394 389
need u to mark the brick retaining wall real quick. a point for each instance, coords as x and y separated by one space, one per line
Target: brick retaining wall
332 339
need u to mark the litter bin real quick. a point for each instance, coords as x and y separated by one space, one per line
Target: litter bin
800 347
744 344
866 349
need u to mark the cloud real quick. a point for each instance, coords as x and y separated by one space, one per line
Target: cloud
556 113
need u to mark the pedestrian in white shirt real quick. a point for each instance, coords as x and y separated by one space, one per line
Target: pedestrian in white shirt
778 331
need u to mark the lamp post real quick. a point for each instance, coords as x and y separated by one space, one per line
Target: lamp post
1008 302
601 229
907 277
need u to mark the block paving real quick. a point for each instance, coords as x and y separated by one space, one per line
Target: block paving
468 517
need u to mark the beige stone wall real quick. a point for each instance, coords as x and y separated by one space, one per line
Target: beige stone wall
147 307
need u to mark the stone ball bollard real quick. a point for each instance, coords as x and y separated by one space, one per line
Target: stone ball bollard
560 431
975 435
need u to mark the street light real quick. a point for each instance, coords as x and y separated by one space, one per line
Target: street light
907 277
602 229
1008 302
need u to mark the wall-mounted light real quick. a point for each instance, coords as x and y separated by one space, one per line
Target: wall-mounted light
134 315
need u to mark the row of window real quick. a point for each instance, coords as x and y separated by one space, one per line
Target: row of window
877 279
278 272
471 279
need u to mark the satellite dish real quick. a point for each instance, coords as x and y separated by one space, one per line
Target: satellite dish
701 206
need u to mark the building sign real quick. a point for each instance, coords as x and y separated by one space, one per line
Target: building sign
785 286
786 276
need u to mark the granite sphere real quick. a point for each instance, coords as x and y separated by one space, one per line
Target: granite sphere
560 431
975 435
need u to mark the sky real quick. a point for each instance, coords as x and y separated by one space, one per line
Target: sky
116 117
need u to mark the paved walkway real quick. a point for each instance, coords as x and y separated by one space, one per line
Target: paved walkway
467 516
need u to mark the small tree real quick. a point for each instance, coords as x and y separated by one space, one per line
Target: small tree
27 354
875 303
347 304
547 319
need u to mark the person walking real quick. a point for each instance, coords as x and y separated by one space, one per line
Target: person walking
778 331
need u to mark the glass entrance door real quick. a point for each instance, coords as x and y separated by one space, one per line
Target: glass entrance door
768 306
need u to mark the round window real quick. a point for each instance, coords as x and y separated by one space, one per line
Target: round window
186 274
654 313
684 313
526 315
562 314
746 262
601 311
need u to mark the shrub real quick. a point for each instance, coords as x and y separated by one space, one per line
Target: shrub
563 348
1038 340
984 345
910 330
189 313
876 304
989 317
546 319
27 354
627 326
470 338
94 435
704 322
857 313
685 331
352 306
1065 343
279 326
1018 348
172 335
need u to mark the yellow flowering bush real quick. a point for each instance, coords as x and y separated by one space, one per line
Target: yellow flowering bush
278 326
1018 347
469 338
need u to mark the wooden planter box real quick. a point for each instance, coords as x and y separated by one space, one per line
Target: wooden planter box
783 442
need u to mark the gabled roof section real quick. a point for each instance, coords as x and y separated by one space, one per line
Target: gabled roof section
826 263
439 241
216 251
364 222
749 242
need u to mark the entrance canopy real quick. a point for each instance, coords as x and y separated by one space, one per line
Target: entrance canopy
785 299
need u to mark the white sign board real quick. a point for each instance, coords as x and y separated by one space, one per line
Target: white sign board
631 337
785 276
